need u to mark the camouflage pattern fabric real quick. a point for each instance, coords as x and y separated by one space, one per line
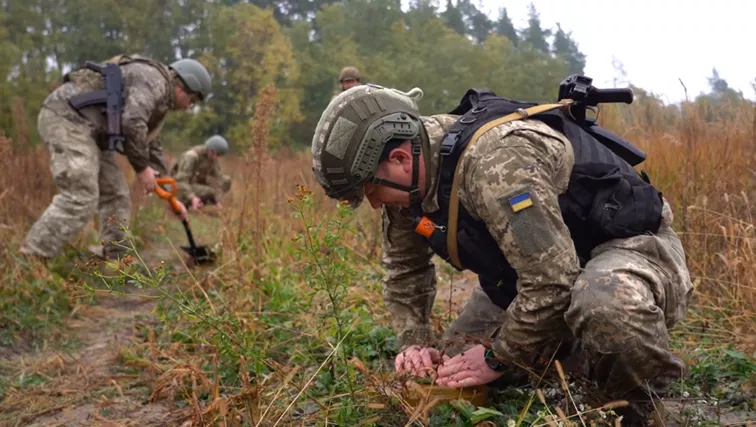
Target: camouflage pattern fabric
620 306
148 96
623 304
509 160
197 175
87 177
410 284
478 321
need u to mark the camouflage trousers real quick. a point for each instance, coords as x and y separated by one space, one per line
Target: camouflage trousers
623 303
88 180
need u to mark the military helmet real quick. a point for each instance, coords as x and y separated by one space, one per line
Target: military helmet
195 76
218 144
353 132
349 73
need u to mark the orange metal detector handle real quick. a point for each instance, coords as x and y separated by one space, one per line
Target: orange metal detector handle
171 197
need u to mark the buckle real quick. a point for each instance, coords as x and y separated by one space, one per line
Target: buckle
449 142
417 148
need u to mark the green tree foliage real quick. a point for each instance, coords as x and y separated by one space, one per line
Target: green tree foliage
249 51
504 27
453 18
443 47
534 35
714 105
566 48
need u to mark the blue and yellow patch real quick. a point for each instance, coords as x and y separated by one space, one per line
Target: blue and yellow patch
520 202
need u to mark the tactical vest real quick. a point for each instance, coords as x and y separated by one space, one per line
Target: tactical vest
606 197
93 81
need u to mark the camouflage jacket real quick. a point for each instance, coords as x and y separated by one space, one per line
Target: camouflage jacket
194 167
507 160
148 96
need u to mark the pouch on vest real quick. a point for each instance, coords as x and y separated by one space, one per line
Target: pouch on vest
610 204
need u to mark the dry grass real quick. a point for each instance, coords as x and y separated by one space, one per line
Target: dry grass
703 168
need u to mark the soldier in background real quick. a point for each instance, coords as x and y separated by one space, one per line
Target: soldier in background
349 78
81 162
198 174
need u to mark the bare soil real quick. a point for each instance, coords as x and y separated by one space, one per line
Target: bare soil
91 385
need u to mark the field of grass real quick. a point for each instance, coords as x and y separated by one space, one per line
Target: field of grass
289 328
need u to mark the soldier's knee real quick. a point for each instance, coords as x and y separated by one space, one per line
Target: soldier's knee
612 316
77 202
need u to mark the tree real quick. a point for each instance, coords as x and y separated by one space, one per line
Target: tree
505 28
534 35
565 47
453 18
480 26
717 84
620 76
250 52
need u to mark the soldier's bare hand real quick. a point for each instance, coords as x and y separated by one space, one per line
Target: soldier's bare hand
466 369
197 203
147 178
182 213
417 360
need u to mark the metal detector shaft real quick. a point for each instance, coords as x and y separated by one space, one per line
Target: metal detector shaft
189 236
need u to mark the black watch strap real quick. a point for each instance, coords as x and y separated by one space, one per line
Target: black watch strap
492 361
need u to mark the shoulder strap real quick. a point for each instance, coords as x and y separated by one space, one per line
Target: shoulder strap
521 114
125 59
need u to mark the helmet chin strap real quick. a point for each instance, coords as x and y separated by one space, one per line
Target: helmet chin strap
413 189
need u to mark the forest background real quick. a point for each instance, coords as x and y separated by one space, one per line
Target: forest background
289 325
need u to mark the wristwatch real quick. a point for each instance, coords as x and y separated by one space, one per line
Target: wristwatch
492 361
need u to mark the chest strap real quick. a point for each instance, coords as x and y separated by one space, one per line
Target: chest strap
521 114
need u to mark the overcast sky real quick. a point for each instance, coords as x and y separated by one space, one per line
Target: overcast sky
658 41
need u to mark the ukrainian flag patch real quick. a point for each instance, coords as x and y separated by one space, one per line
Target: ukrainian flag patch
521 202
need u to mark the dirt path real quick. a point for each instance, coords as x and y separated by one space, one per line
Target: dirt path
94 384
89 386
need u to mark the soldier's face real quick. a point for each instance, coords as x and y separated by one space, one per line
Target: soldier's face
184 100
348 83
397 168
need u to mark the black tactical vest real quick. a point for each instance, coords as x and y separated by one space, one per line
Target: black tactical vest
606 197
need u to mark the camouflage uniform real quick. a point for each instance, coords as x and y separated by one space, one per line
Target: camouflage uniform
619 307
614 313
87 176
197 175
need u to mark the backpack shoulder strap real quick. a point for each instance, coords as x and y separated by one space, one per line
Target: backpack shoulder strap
521 114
